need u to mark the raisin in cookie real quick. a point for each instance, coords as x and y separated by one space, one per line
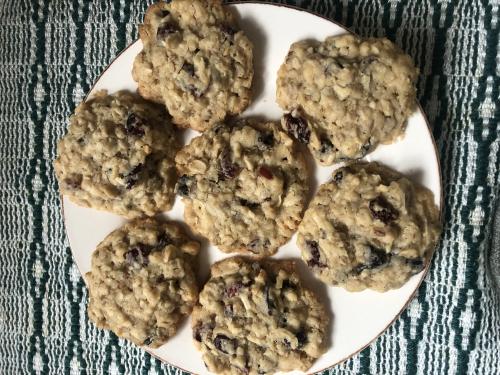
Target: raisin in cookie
118 155
141 284
369 227
195 60
244 186
346 95
256 318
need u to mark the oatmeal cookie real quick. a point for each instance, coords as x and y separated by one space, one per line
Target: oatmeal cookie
118 156
195 60
244 186
141 284
346 95
369 227
256 318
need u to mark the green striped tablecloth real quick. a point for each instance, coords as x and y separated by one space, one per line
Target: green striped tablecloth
51 52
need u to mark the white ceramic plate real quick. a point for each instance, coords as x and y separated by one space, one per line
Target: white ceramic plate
358 318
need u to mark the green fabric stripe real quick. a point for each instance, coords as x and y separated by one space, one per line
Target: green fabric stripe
79 16
74 348
413 343
470 287
37 251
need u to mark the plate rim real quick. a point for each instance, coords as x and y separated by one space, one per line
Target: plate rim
436 157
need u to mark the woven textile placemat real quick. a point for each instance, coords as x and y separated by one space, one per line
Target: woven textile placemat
50 54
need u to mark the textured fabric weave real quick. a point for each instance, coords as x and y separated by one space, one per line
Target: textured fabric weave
50 54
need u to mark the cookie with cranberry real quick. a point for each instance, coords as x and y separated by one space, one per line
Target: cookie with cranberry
141 284
118 156
244 186
346 95
369 227
195 60
256 318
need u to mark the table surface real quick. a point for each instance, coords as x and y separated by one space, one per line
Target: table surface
51 53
